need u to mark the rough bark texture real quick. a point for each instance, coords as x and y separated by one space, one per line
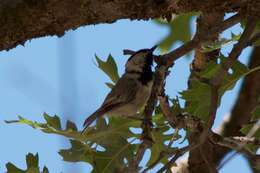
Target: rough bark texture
22 20
206 150
240 115
246 102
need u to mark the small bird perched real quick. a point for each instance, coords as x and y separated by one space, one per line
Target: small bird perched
131 91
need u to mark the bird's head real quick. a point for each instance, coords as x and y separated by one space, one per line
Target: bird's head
140 60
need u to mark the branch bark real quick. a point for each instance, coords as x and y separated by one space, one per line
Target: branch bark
199 62
241 112
23 20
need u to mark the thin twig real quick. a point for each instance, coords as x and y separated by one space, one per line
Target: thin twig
195 42
234 54
139 155
237 144
169 58
169 115
178 153
162 154
179 121
254 39
160 157
241 146
216 81
148 111
247 140
164 62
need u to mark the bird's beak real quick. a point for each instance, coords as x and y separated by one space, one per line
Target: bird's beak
153 48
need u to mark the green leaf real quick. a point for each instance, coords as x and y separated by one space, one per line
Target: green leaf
256 114
211 46
197 98
112 138
246 129
109 67
53 121
198 95
257 167
176 107
211 70
45 170
158 118
257 43
255 118
159 139
239 71
13 169
180 30
53 126
32 162
79 151
71 126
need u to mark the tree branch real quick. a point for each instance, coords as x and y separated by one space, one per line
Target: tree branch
178 154
216 81
236 51
237 144
23 20
179 121
168 59
199 38
147 140
241 114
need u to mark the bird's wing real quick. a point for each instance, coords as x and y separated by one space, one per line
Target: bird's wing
100 112
122 93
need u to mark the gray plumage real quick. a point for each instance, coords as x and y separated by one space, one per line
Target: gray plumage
131 91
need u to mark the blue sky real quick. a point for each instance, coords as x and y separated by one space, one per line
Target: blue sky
59 76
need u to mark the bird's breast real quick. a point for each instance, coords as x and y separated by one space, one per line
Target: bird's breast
143 94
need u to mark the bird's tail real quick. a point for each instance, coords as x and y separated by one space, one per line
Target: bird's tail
92 118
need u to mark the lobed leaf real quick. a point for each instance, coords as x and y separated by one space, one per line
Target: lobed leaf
211 46
198 99
198 95
53 126
32 162
104 146
109 67
180 30
159 138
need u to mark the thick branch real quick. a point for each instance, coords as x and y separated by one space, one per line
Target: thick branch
22 20
205 22
246 102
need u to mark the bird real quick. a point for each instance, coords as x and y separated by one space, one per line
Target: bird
131 91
